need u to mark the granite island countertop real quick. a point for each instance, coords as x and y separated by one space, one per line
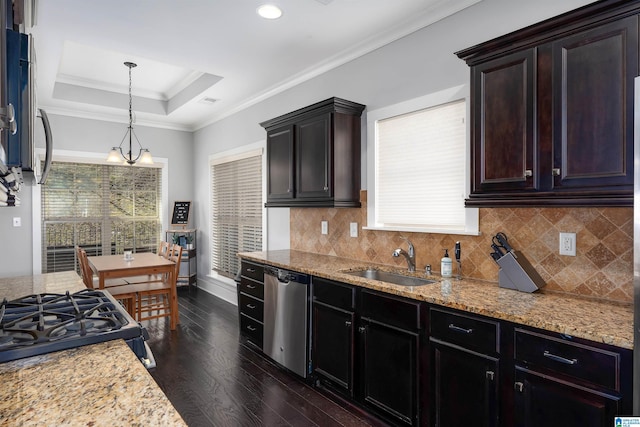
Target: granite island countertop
95 385
599 321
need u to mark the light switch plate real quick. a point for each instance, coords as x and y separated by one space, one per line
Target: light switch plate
568 244
324 227
353 229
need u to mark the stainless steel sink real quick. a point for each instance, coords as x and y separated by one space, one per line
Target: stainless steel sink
385 276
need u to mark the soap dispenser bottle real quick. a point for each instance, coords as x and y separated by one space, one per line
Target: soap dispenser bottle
446 265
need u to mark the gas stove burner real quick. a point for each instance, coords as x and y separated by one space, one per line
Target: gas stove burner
42 323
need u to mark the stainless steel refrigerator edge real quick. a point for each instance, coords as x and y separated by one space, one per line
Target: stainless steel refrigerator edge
636 250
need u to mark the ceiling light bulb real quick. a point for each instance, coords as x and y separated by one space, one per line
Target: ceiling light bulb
269 11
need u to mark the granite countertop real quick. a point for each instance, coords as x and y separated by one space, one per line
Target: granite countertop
598 321
95 385
16 287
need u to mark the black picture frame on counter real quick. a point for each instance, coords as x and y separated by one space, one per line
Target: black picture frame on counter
181 212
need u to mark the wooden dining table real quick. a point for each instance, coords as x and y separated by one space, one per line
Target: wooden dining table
116 266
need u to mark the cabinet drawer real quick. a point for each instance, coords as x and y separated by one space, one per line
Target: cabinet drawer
251 307
251 329
391 310
594 365
252 271
252 287
334 294
466 331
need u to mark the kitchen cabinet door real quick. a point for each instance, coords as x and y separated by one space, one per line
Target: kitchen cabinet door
465 387
390 372
333 347
542 400
313 152
593 95
280 163
503 124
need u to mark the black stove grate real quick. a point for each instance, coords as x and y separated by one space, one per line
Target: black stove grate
42 323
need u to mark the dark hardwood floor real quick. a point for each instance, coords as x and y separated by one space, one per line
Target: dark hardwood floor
214 380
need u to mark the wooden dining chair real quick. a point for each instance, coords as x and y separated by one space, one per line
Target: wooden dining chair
125 294
163 248
154 298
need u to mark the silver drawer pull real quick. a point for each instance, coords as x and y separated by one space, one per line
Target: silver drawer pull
518 386
560 358
251 328
251 270
555 171
251 286
251 306
347 323
528 173
459 329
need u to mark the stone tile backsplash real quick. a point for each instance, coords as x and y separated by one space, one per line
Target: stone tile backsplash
602 267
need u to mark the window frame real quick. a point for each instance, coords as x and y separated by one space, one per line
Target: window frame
89 158
231 155
435 99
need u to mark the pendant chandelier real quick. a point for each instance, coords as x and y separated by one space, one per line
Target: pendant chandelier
116 155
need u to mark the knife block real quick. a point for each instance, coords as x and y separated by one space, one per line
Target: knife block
516 272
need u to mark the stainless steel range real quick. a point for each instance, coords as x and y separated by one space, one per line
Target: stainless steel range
44 323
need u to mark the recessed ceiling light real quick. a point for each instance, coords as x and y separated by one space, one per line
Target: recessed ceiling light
269 11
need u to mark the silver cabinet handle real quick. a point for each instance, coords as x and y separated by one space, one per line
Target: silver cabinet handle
251 270
528 173
362 329
251 328
326 188
490 375
251 306
251 286
560 358
347 323
459 329
555 171
518 387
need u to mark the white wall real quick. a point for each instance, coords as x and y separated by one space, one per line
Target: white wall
416 65
75 134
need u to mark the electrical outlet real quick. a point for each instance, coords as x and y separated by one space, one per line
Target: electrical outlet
568 244
353 229
17 221
324 227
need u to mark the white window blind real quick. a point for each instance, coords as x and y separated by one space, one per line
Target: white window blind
236 210
420 169
420 180
104 209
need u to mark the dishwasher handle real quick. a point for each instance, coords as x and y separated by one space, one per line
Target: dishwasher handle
285 276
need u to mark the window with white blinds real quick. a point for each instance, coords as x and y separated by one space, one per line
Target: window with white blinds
104 209
236 209
420 169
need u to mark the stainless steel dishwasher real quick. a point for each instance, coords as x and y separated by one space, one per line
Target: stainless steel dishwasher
286 310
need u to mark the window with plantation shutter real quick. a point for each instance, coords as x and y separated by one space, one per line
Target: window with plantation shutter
419 167
236 209
104 209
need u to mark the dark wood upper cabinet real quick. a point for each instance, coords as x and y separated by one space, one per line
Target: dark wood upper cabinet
313 156
281 164
552 109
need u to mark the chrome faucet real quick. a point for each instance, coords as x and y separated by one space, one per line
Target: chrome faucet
409 256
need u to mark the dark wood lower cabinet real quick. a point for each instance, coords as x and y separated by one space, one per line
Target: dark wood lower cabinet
390 371
333 346
542 400
465 387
